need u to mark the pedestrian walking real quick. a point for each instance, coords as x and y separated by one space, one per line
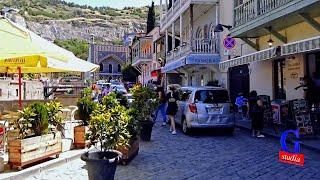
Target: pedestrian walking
95 93
162 106
106 90
241 103
256 111
172 100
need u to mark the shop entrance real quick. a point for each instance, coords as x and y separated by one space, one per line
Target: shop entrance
239 81
313 64
279 81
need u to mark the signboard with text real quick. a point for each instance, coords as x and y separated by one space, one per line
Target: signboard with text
203 59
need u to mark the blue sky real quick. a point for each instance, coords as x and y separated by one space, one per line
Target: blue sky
115 3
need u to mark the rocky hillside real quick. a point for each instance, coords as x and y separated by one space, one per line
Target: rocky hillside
56 19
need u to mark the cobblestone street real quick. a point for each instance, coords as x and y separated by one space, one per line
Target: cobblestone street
201 156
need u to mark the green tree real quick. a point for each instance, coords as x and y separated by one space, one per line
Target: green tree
80 48
129 73
151 22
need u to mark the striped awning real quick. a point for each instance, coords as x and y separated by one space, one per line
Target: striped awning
253 57
301 46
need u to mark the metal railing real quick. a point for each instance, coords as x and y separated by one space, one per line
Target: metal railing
200 46
142 56
254 8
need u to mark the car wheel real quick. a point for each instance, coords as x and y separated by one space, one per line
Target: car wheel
185 128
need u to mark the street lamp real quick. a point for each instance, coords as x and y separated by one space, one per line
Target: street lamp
219 27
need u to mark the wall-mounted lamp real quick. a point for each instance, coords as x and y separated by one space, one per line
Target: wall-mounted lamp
184 44
219 27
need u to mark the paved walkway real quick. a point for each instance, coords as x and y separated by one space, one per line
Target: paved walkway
201 156
310 142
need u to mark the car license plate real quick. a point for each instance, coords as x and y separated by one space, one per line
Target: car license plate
214 110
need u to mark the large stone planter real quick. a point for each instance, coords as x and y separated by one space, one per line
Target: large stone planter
23 152
128 153
79 137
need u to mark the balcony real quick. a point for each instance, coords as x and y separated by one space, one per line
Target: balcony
141 58
251 17
178 7
200 46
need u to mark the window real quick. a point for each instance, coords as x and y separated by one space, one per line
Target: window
101 67
110 68
17 92
212 96
199 34
0 92
119 68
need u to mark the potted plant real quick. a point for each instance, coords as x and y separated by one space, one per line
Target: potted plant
144 103
85 109
128 152
36 140
107 129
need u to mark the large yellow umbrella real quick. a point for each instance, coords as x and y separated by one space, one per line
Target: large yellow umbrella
23 51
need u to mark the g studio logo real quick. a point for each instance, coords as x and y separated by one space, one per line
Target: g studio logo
291 157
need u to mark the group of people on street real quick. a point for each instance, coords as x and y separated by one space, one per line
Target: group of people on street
97 95
168 107
252 108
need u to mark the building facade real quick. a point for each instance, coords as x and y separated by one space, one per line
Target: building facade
110 58
284 40
191 46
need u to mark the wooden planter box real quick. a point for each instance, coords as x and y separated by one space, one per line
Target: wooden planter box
129 153
79 137
23 152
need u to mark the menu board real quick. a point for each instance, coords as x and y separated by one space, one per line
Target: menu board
301 115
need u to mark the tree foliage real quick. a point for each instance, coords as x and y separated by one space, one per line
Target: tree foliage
129 73
151 22
79 47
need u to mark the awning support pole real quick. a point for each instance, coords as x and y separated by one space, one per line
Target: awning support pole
20 91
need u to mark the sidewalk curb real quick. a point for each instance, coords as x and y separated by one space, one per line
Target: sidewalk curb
278 137
44 166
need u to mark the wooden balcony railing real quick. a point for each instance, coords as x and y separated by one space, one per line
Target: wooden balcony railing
254 8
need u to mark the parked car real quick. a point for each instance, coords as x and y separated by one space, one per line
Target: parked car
129 97
119 88
205 107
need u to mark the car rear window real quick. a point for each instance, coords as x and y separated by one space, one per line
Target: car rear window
212 96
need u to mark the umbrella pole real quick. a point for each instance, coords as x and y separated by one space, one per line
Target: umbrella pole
20 99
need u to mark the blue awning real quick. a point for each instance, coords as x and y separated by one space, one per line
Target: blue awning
192 59
173 65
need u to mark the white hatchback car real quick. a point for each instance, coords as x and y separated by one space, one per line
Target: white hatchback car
205 107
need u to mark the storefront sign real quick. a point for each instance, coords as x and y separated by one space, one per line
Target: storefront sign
291 157
203 59
173 65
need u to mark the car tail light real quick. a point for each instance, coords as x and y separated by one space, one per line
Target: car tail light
193 108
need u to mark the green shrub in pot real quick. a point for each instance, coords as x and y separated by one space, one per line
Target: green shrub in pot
108 128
